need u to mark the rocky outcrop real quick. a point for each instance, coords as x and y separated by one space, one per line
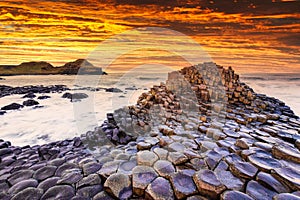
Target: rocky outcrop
190 138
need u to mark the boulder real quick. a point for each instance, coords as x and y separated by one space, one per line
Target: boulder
12 106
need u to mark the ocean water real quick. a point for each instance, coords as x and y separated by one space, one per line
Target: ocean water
60 119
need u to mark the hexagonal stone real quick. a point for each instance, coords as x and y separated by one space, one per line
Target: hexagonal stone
257 191
30 193
177 158
164 168
285 196
66 166
162 153
242 143
289 176
286 152
208 183
119 186
44 172
59 192
147 158
232 195
70 177
102 196
143 146
243 170
183 184
207 145
159 189
89 191
22 185
264 163
126 167
109 168
197 197
48 183
92 179
20 176
222 166
271 182
229 180
176 147
90 168
142 176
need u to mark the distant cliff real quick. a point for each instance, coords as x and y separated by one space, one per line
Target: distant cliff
45 68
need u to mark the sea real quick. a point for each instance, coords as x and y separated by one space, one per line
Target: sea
58 118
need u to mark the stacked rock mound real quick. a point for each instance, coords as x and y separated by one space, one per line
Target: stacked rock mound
183 145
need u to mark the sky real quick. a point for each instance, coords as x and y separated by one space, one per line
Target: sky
250 35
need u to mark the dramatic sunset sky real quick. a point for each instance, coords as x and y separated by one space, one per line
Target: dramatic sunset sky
251 35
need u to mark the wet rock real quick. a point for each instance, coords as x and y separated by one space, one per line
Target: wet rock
30 102
20 176
183 184
286 152
159 189
288 176
59 192
22 185
264 163
48 183
66 166
164 168
92 179
118 185
269 181
285 196
142 176
90 168
12 106
259 192
126 167
44 172
30 193
44 97
208 183
89 191
243 170
231 182
70 177
147 158
29 95
232 195
102 196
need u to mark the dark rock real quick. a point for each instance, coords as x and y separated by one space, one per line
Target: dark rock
44 172
259 192
160 188
2 112
270 182
286 152
208 183
30 102
92 179
118 185
102 196
264 163
235 195
70 177
59 192
30 193
20 176
115 90
29 95
22 185
89 191
142 176
12 106
183 184
48 183
91 167
66 166
44 97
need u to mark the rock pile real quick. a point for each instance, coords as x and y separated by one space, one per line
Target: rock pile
172 144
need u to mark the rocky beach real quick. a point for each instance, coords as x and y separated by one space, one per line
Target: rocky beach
203 134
